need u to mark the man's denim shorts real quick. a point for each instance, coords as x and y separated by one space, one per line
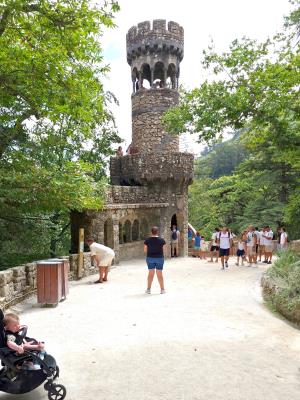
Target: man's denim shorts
155 263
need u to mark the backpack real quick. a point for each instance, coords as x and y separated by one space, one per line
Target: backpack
250 236
174 235
224 238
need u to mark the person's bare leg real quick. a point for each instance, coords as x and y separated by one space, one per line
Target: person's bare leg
222 262
217 256
172 249
259 252
150 278
105 271
160 279
255 256
100 274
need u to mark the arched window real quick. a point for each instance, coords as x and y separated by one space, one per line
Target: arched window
144 229
159 73
135 230
120 233
109 233
135 80
127 232
169 83
171 74
146 76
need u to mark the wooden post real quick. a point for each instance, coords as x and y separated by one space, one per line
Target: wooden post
80 253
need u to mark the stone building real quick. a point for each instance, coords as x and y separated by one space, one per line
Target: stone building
148 186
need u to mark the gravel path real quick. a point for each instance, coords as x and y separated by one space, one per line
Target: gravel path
209 337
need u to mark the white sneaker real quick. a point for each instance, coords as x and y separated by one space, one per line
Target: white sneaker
162 291
148 291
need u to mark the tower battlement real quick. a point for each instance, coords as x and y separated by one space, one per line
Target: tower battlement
141 39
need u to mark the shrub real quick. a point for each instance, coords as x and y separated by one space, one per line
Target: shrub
285 276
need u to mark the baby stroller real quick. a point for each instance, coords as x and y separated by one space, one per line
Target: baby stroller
16 379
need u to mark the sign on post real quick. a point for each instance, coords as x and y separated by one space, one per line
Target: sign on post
80 253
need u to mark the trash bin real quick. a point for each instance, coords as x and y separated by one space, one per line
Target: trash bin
52 281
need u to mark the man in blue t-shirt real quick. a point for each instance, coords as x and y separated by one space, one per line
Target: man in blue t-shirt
154 247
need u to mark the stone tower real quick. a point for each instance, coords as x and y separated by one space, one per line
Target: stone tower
148 186
154 56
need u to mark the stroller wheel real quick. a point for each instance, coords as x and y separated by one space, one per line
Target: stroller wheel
57 392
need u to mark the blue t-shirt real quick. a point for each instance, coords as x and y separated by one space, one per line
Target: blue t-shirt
197 241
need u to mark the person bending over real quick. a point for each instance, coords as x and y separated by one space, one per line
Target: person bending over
103 257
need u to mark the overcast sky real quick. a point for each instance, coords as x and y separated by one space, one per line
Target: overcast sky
202 20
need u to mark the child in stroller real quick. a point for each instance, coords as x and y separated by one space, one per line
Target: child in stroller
15 340
18 353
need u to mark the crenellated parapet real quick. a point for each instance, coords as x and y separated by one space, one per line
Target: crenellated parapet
159 168
161 37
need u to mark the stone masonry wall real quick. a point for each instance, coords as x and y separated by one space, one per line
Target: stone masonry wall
136 195
139 169
147 132
132 250
20 282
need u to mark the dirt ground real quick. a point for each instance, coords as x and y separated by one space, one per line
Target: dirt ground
209 337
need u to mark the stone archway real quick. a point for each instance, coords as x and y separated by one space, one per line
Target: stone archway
135 232
178 220
127 232
109 233
144 229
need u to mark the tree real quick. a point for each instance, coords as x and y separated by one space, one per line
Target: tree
51 66
56 128
256 89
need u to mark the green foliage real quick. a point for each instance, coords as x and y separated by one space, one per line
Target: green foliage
255 91
285 274
56 128
286 262
221 158
28 237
